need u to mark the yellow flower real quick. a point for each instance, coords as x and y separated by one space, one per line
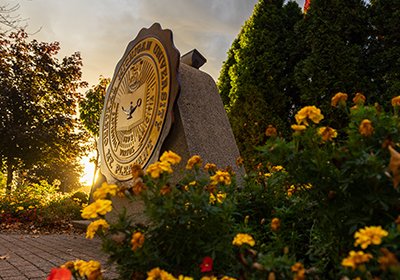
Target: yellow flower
183 277
157 168
369 235
137 240
271 131
227 278
104 190
208 278
359 99
356 258
327 133
396 101
221 177
243 238
366 128
277 168
90 269
339 98
99 207
308 113
159 274
20 208
275 224
297 127
291 190
94 226
220 197
194 161
170 157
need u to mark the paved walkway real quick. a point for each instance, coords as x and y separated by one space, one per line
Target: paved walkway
32 256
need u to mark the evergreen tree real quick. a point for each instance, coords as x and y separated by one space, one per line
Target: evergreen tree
335 34
383 52
256 81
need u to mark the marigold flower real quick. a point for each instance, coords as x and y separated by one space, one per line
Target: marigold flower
137 240
396 101
227 278
339 98
327 133
387 260
138 186
369 235
210 167
99 207
356 258
219 197
208 278
243 238
166 189
291 190
194 161
359 99
157 168
366 128
159 274
239 161
275 224
221 177
137 171
271 131
170 157
277 168
90 269
94 226
104 190
308 113
298 127
206 265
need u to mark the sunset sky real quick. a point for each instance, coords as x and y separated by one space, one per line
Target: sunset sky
101 29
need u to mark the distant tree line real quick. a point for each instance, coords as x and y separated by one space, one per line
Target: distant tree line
283 60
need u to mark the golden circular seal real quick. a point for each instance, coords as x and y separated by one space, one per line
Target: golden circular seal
137 111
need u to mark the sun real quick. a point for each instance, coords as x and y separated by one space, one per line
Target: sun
88 170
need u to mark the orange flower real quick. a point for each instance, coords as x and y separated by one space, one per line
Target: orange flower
366 128
137 171
271 131
356 258
137 240
339 98
60 274
327 133
194 161
387 260
396 101
210 167
275 224
138 187
165 190
359 99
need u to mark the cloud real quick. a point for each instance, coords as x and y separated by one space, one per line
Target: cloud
101 30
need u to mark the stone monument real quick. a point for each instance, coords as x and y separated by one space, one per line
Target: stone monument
154 103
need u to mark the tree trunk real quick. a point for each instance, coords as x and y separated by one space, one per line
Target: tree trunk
96 165
10 171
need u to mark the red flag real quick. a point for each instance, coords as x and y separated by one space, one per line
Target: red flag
306 6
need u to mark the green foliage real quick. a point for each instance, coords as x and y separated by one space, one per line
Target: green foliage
38 97
256 82
40 204
282 61
91 106
351 186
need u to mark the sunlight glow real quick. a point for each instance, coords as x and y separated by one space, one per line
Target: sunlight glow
88 169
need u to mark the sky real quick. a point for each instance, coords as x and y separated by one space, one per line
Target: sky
101 29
